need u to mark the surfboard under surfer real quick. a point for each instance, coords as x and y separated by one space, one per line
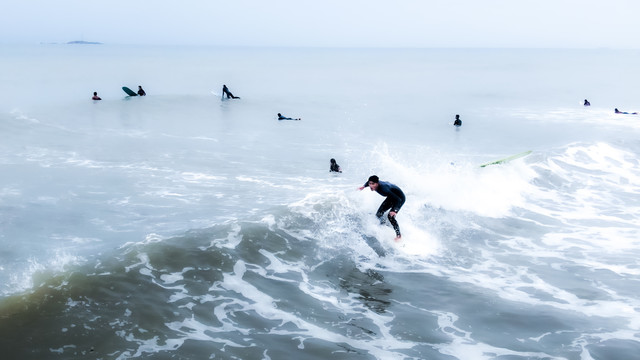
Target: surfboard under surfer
394 200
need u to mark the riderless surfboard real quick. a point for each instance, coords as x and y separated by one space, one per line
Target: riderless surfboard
507 159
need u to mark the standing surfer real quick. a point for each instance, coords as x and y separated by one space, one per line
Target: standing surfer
394 200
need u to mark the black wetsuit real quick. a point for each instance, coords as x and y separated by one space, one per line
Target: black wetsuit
394 201
334 167
225 91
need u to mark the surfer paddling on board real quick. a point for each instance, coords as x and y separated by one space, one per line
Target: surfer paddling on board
95 96
225 91
624 112
393 202
282 117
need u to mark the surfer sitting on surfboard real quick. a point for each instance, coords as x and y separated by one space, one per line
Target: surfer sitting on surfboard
334 167
140 91
457 121
225 91
281 117
394 201
95 96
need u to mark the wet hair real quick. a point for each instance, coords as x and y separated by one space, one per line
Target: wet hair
333 161
374 179
95 93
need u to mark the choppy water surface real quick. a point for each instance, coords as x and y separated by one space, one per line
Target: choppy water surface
180 226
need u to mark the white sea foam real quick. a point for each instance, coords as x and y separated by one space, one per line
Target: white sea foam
38 270
554 233
463 346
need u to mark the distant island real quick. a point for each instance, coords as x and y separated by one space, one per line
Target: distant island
85 42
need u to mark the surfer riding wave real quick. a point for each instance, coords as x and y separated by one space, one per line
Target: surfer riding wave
394 200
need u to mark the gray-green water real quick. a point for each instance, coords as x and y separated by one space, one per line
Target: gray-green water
180 226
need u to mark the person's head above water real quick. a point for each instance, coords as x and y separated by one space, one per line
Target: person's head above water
333 161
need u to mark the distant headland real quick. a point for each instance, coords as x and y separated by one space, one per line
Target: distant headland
81 42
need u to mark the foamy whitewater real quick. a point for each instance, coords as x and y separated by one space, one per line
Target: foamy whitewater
182 226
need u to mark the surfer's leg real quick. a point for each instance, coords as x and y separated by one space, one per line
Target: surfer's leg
386 205
394 223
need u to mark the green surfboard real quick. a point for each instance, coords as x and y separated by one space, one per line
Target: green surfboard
507 159
129 91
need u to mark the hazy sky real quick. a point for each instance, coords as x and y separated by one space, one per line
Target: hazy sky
390 23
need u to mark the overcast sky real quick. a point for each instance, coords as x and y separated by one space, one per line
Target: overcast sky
333 23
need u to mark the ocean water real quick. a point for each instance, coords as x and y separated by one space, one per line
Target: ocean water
182 226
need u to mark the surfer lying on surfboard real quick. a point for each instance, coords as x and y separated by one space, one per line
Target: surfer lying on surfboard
394 200
624 112
281 117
